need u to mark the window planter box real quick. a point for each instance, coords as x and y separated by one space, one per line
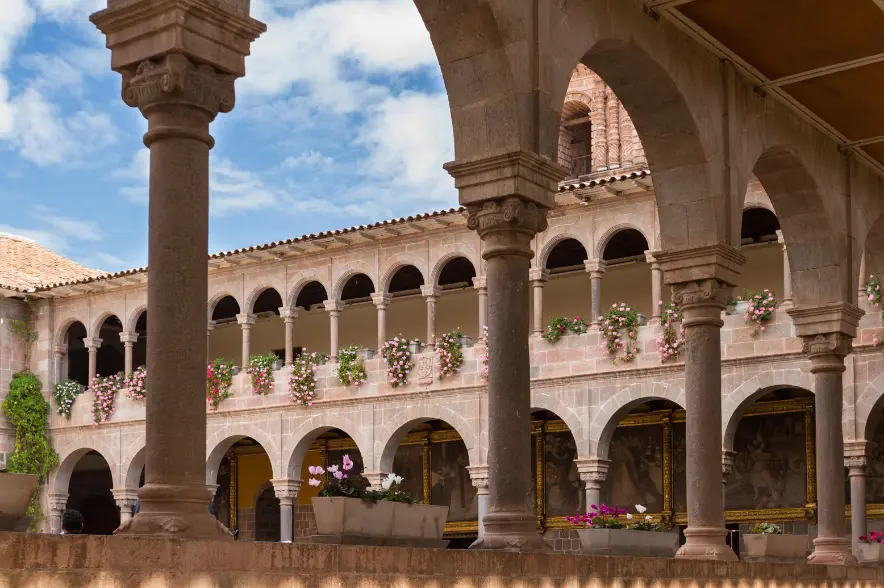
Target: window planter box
628 542
365 354
870 554
15 494
414 348
276 365
466 342
365 522
776 548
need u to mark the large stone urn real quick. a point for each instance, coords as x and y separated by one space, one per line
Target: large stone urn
628 542
368 522
776 548
15 494
870 554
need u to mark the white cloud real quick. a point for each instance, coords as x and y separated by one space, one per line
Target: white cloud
307 159
68 70
17 19
69 10
55 231
235 190
44 238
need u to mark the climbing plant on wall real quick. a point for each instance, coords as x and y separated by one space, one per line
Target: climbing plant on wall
28 412
24 329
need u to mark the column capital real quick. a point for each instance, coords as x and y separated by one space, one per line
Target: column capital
125 497
527 176
836 317
94 343
333 305
480 283
246 320
60 349
58 501
780 239
695 264
286 489
288 313
479 477
651 258
727 462
507 226
538 274
593 469
856 464
710 293
381 300
431 291
596 267
210 326
129 338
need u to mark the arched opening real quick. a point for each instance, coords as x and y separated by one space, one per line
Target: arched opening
268 332
575 138
358 321
89 491
406 314
77 357
458 306
764 255
558 489
568 292
874 433
225 340
311 327
139 351
111 355
628 276
243 475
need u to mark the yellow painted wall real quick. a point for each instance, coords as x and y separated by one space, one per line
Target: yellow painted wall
307 492
253 471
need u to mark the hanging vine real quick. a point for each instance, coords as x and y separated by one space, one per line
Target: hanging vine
351 369
28 412
24 329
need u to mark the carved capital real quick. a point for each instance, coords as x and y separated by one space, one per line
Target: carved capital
381 300
246 320
595 267
333 305
60 350
507 226
129 338
480 283
538 275
696 264
650 257
856 464
822 319
58 501
210 326
593 470
286 489
702 301
826 351
479 477
93 344
288 314
174 79
431 291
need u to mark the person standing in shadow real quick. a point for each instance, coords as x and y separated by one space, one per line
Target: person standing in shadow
71 522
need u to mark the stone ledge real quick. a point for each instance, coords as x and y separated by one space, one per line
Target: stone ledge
99 562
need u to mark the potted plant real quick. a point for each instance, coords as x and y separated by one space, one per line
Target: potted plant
611 530
466 341
415 346
276 365
870 549
766 542
365 354
348 511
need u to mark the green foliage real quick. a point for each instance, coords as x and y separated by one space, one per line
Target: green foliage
766 529
23 329
620 322
64 394
351 369
28 412
260 370
560 326
449 353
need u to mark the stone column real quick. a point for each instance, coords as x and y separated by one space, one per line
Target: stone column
334 308
538 277
246 321
288 316
125 499
656 287
786 302
431 293
481 287
59 352
593 472
856 461
92 346
596 268
507 197
702 280
479 477
210 326
827 331
128 340
287 493
375 478
178 63
381 301
58 502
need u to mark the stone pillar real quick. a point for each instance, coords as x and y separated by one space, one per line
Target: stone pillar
599 130
59 351
596 268
128 340
538 277
334 308
479 477
288 316
856 461
481 286
58 502
210 326
786 302
92 346
507 197
287 493
827 331
593 472
125 499
374 478
246 321
178 64
431 293
656 287
702 280
613 124
381 302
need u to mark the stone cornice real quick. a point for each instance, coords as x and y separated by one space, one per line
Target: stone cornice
691 264
836 317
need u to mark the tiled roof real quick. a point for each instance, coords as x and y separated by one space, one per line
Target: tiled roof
601 180
26 267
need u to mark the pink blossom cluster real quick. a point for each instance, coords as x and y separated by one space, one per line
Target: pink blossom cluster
302 382
104 392
136 384
261 374
760 309
873 537
351 369
398 358
219 378
483 356
449 353
620 318
873 294
337 472
671 340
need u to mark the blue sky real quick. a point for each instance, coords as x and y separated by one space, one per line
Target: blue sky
342 119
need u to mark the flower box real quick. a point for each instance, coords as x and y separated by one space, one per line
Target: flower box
276 365
642 320
740 307
414 348
15 494
466 342
628 542
776 548
236 370
367 522
870 553
365 354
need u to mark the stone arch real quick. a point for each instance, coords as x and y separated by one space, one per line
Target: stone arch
611 412
443 261
735 403
869 409
65 325
215 298
256 293
99 322
401 262
577 100
405 420
546 249
874 250
68 461
131 471
546 401
132 320
355 269
301 282
224 437
609 233
308 430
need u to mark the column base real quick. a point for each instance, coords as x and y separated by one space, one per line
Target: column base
179 512
511 532
706 543
831 551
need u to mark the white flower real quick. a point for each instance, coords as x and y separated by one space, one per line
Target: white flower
641 509
649 518
629 516
398 479
388 481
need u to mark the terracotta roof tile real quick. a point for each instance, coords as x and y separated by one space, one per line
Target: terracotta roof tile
25 266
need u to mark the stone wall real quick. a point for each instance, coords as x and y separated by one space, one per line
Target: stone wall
114 562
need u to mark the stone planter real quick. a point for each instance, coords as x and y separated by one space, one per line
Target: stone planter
628 542
740 307
236 370
642 320
776 548
466 342
15 494
415 348
365 354
276 365
870 554
365 522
